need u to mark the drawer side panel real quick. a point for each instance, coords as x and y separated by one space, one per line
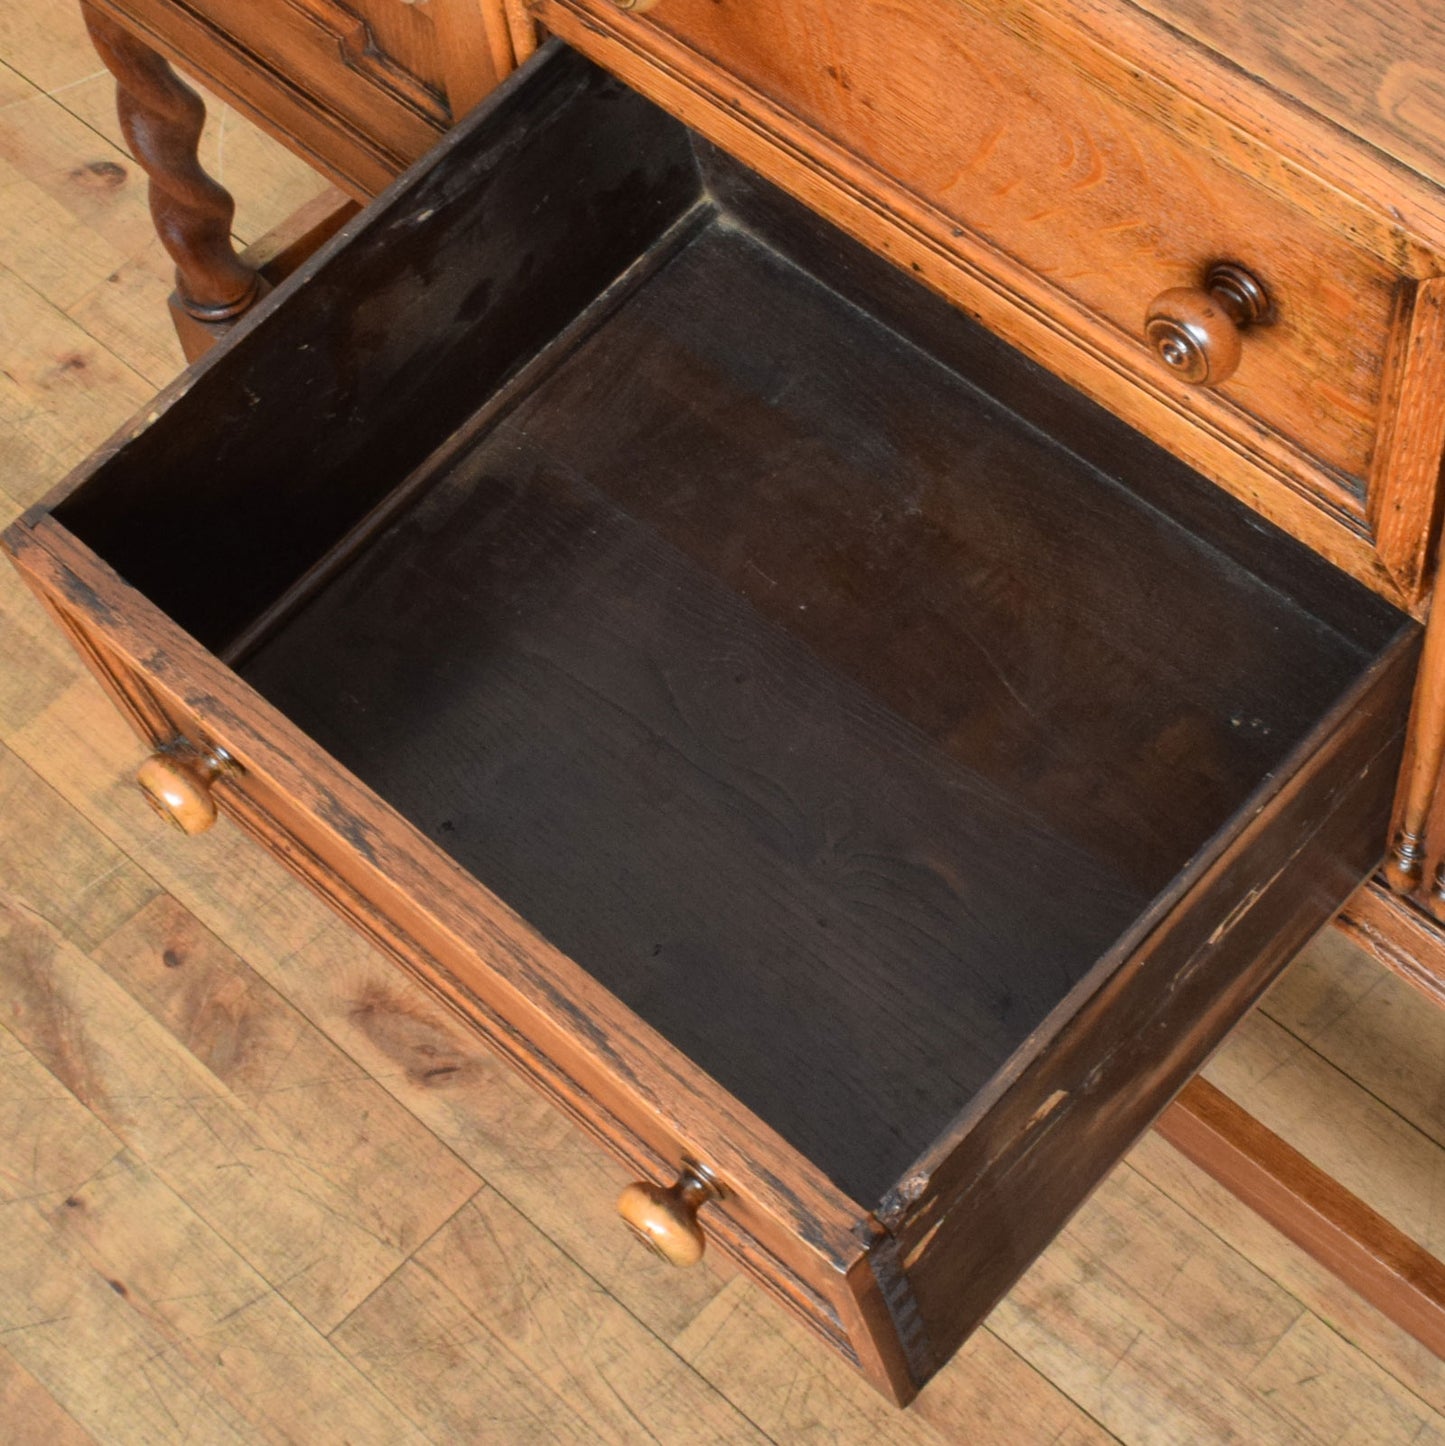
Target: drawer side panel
1014 1180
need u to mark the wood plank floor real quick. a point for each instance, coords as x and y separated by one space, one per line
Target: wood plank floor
254 1187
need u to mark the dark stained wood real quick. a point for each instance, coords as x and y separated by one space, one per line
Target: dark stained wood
162 118
408 347
273 257
1392 1272
1041 1135
667 785
648 651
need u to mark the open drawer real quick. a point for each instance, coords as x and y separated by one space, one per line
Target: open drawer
852 773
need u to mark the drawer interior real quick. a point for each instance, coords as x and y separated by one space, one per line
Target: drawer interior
834 685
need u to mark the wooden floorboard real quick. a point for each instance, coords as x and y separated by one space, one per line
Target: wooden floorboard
255 1186
1358 1244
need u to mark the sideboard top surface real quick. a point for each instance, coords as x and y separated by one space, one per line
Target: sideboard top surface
1373 67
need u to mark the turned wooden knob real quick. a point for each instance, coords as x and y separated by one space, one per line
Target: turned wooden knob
176 782
666 1220
635 7
1196 332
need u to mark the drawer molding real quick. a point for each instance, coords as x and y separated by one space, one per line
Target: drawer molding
1162 76
330 91
360 162
1404 487
1383 204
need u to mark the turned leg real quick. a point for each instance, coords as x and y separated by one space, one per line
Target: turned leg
162 119
1425 751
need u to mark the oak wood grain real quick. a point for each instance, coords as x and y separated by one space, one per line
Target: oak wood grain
511 1276
227 1159
1400 936
273 256
360 90
33 1413
1371 68
1227 1220
1136 1275
70 387
162 119
1390 1163
1368 1023
114 1266
761 1359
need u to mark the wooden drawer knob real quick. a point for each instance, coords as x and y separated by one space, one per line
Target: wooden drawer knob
176 782
1196 332
635 7
666 1220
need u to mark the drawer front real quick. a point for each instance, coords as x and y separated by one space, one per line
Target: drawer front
1086 201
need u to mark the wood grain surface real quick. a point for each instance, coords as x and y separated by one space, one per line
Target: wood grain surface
1313 1209
731 946
1168 1311
1375 68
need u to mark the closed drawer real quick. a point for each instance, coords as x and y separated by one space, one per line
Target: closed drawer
361 90
1073 190
851 772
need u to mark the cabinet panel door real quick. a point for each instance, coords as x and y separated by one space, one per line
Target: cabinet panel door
360 89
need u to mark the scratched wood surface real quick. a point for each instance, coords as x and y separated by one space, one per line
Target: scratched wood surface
253 1186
